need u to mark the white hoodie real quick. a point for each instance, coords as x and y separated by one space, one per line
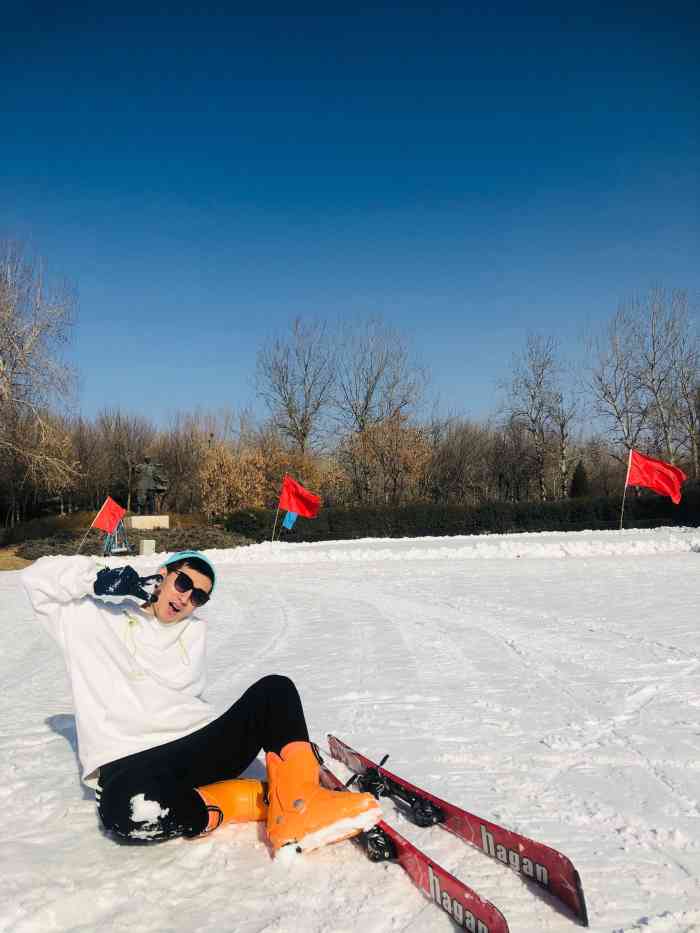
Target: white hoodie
136 682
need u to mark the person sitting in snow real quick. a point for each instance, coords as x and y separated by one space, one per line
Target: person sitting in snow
160 759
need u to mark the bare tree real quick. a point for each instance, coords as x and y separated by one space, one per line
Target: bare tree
183 449
295 378
605 471
617 394
644 376
459 470
125 440
377 384
393 456
91 486
377 379
688 402
534 399
36 318
562 415
661 324
512 462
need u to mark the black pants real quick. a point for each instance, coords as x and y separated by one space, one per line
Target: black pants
150 796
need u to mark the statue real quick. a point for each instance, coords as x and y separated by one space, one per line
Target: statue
152 481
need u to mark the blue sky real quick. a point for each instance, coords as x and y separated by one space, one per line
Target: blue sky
203 177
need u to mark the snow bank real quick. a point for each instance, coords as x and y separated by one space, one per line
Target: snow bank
541 545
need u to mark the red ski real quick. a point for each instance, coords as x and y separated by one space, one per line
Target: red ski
458 900
548 868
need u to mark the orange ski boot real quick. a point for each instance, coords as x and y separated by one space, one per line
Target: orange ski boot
239 800
304 815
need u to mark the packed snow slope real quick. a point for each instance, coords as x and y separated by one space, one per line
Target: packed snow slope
548 682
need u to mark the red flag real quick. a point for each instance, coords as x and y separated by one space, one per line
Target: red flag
109 516
653 474
295 498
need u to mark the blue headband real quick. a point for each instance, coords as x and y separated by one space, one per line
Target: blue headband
183 555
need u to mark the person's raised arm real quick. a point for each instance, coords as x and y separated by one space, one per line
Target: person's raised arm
53 583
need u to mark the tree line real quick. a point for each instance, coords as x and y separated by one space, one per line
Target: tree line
346 411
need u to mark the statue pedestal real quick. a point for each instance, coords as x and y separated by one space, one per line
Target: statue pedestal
147 522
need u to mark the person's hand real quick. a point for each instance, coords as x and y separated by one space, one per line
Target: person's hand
123 581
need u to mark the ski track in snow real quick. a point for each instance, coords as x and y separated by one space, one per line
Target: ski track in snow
549 682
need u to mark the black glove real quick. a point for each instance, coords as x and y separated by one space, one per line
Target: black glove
123 581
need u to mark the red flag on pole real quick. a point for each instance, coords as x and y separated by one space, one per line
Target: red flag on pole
109 516
295 498
653 474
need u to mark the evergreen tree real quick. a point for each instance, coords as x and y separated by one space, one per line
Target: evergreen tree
579 482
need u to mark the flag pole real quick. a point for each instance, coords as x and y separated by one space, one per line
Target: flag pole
275 525
277 513
624 493
86 534
99 511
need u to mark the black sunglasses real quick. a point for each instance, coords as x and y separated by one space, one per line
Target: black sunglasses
183 584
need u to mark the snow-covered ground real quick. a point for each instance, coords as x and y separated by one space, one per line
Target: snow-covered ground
549 682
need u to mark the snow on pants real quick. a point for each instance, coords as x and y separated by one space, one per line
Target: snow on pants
150 796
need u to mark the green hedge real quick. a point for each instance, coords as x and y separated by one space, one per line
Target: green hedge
646 510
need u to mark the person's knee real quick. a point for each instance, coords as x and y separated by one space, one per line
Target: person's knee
133 810
278 683
114 808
